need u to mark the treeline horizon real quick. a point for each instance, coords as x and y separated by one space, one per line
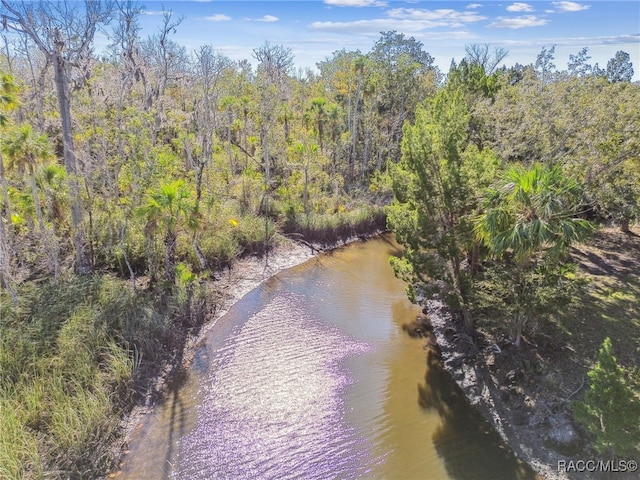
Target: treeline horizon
127 181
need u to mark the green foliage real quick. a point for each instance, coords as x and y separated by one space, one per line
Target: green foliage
506 290
8 98
531 210
610 410
528 224
436 190
619 68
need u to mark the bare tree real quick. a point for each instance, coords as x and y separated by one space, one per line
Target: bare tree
275 63
485 57
165 57
125 43
209 68
63 31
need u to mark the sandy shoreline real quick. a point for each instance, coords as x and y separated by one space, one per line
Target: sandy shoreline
229 287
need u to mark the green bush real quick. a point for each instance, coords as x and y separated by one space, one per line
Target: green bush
610 410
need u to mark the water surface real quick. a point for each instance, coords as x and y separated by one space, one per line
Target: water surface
311 376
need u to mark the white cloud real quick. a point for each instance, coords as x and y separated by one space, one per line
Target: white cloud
471 6
570 6
265 19
518 22
218 17
154 13
364 27
520 7
443 17
402 19
356 3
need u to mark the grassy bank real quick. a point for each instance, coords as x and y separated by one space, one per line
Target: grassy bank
76 353
70 353
328 228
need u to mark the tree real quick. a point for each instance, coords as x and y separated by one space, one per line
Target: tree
25 149
166 59
8 101
401 74
544 65
209 69
620 68
481 55
318 109
606 150
435 189
275 63
610 409
170 205
529 223
578 66
63 31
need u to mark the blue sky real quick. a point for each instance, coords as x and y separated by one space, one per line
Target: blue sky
313 29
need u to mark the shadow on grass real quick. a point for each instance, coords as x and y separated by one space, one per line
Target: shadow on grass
610 306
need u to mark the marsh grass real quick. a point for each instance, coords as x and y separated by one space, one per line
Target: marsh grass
68 355
331 227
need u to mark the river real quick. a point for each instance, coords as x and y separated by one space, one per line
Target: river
311 376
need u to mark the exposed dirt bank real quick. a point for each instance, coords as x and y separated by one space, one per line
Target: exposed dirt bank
525 393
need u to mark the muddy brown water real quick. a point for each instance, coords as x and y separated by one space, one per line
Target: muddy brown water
311 376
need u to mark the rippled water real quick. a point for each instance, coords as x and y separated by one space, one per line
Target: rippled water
311 376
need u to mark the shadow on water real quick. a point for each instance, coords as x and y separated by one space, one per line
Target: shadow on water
176 427
468 445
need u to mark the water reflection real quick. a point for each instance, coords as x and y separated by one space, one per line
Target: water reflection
311 376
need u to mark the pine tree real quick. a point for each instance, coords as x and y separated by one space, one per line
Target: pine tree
610 409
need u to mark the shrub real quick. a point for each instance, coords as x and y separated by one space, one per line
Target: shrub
610 409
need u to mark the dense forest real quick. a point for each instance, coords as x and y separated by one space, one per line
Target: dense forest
129 177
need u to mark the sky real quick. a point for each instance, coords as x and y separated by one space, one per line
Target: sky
314 29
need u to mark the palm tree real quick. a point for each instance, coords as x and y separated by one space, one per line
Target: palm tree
25 148
530 219
8 101
319 109
171 206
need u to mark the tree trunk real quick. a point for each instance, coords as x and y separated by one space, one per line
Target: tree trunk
170 243
518 324
5 192
475 258
4 264
624 225
36 198
62 89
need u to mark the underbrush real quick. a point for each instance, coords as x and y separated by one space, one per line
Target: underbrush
329 228
70 353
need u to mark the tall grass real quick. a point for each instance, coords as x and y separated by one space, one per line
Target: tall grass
68 357
330 227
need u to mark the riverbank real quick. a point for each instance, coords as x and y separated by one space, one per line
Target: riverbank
229 287
526 393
